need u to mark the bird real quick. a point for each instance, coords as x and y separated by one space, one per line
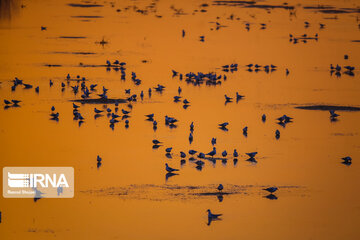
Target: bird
182 155
97 111
238 96
235 154
245 129
177 98
98 158
156 142
179 90
251 154
213 141
271 189
224 153
27 86
7 102
347 159
15 102
52 108
186 101
263 117
170 169
192 126
220 187
125 112
150 116
168 150
75 106
212 153
227 99
213 216
223 125
55 116
192 152
333 114
277 134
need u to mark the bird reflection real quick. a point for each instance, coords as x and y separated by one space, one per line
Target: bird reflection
97 116
38 195
220 197
169 175
271 197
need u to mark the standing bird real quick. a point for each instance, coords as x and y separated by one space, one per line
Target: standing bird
212 153
235 154
170 169
220 187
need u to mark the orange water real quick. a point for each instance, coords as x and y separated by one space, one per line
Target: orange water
129 197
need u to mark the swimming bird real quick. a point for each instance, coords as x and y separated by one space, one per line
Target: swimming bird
284 119
27 86
156 142
113 115
251 154
227 99
37 89
170 169
55 116
213 216
182 155
192 152
15 102
150 116
347 159
124 111
113 120
168 150
223 125
7 102
271 189
201 155
52 108
239 97
333 114
75 106
97 111
220 187
186 101
177 98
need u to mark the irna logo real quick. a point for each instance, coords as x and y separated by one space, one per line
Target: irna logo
32 182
